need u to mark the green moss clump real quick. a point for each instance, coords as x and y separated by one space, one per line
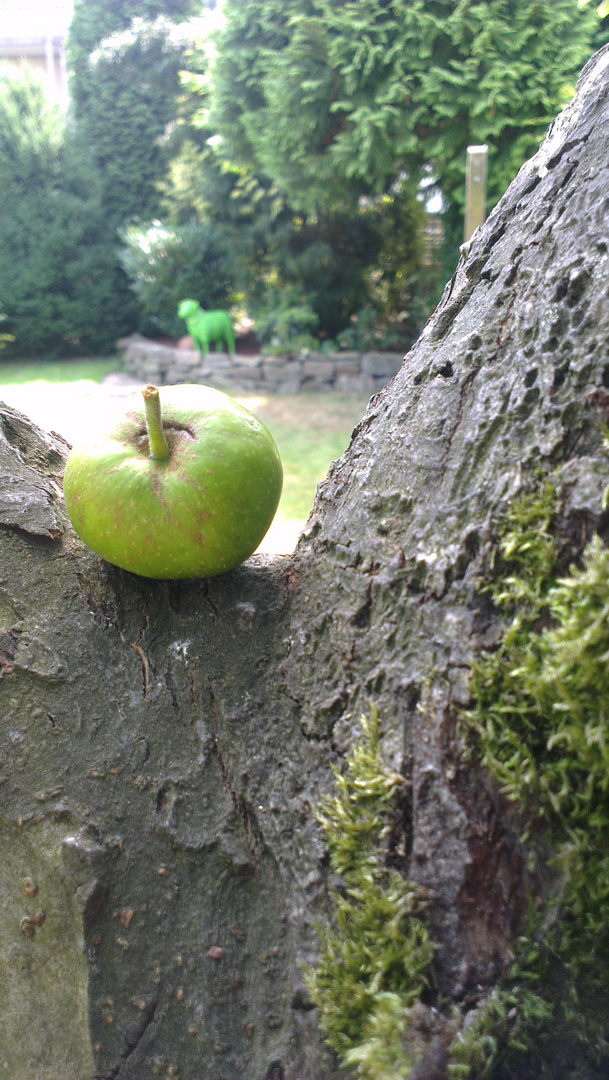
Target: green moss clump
540 723
376 957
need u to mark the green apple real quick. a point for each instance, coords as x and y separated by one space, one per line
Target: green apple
185 485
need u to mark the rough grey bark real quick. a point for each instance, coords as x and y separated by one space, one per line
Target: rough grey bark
163 744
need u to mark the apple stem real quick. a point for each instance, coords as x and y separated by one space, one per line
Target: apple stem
159 448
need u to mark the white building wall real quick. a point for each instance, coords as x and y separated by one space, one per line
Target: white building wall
33 32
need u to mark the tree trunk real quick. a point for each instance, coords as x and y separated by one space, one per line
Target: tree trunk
164 744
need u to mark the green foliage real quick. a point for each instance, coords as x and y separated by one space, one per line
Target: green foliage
329 260
344 108
166 265
280 261
5 338
125 91
404 277
124 62
342 255
375 958
95 20
199 187
285 321
368 330
331 100
56 252
601 35
540 724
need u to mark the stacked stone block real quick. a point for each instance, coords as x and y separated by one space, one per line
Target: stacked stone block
341 372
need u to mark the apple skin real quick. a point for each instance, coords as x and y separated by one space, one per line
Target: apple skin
201 511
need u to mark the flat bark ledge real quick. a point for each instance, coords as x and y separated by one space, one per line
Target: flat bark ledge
164 744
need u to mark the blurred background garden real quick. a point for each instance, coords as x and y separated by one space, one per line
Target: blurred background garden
299 163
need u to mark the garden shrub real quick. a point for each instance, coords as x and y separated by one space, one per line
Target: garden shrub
284 321
369 330
166 264
57 263
125 60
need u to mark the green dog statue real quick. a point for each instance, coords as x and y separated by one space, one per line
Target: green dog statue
206 327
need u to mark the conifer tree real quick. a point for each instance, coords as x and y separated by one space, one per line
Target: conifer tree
57 259
332 100
124 61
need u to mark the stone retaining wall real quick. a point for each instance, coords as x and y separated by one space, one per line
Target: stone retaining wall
343 372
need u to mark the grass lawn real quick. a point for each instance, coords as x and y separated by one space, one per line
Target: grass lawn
310 430
18 373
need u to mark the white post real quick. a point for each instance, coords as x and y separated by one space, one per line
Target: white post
475 188
49 55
